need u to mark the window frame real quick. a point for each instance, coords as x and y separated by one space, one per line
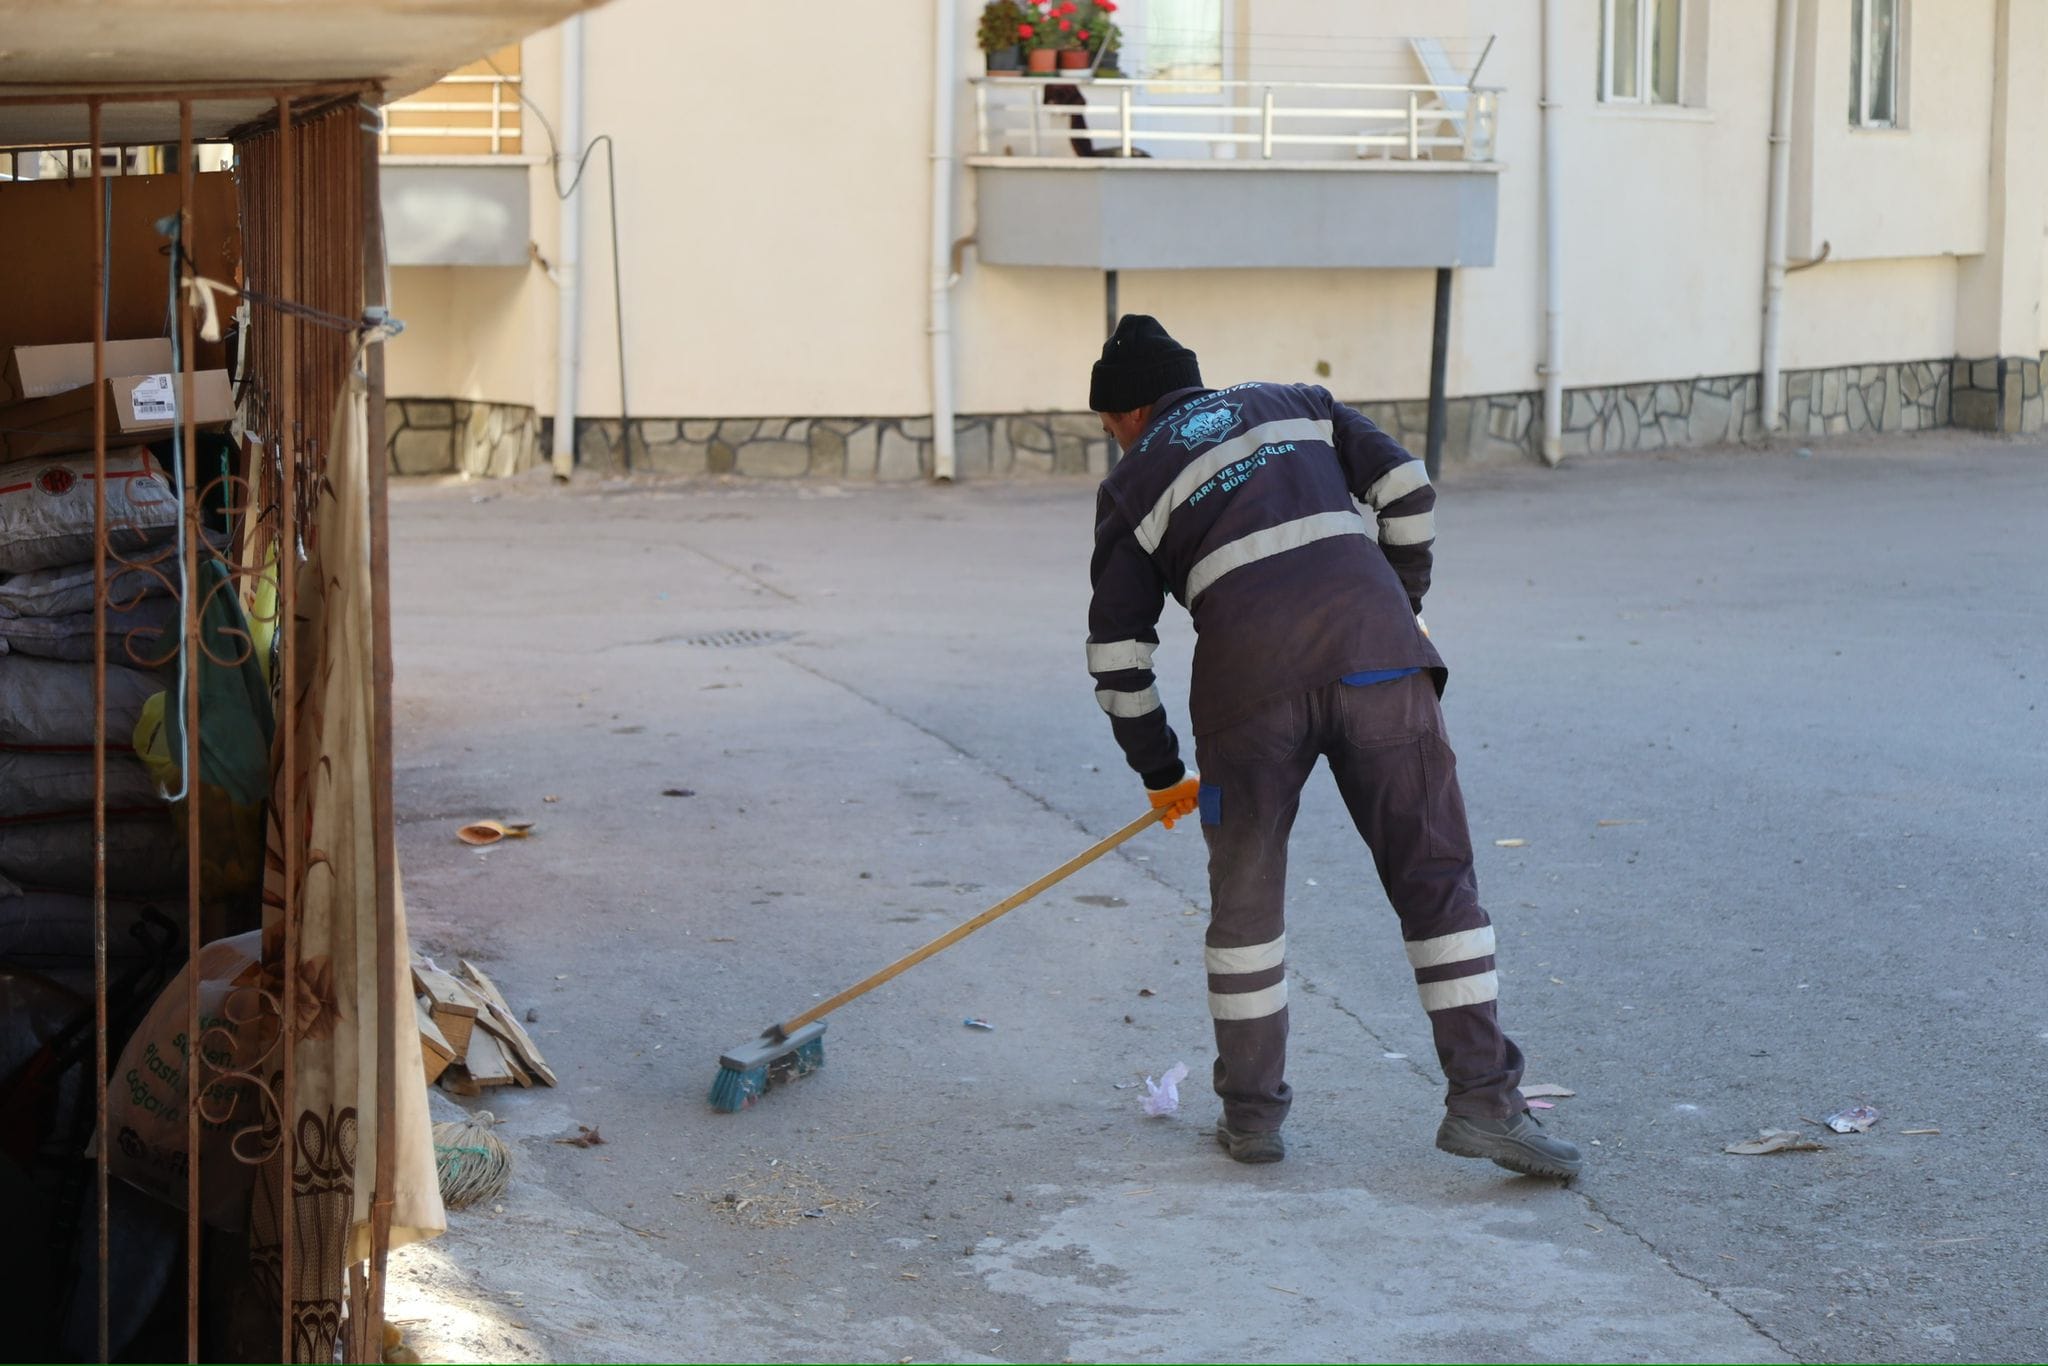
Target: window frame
1645 64
1862 18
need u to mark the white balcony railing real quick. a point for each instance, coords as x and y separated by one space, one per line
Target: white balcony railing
1415 122
464 114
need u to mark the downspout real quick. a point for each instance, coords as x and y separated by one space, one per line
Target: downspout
945 77
1780 192
569 259
1553 254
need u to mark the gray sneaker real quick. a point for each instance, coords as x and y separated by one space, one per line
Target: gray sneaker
1264 1145
1517 1143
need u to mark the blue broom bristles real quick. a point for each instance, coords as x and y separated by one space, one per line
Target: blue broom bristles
736 1088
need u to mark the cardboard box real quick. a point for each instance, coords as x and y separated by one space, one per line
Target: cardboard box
139 407
47 238
40 371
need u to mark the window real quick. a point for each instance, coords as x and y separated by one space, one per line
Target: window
1184 39
1640 61
1173 40
1874 63
1184 42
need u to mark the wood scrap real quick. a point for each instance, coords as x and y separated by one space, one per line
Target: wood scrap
453 1005
503 1021
435 1052
456 1053
486 1060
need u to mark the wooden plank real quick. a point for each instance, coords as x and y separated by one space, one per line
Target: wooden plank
435 1054
496 1031
486 1061
443 992
453 1006
455 1028
522 1044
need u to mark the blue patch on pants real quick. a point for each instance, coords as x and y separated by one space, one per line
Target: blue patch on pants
1209 798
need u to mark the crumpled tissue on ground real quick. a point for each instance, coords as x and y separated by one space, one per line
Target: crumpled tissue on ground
1162 1097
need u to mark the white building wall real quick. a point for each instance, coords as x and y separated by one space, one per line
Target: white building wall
773 186
1870 312
1914 191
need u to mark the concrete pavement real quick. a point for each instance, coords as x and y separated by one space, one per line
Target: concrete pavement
1766 725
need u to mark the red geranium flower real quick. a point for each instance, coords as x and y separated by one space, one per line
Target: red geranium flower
1025 30
1106 6
1066 24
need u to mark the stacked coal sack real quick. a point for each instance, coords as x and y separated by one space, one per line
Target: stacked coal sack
48 709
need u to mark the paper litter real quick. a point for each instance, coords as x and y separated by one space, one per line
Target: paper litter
1163 1096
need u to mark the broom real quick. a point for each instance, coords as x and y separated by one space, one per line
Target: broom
796 1047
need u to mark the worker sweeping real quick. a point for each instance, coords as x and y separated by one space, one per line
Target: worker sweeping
1240 503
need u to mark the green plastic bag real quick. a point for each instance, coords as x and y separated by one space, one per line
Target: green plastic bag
236 727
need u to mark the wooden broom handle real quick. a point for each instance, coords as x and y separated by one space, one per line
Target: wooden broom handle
960 932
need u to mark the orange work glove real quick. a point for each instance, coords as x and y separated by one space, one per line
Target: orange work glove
1178 800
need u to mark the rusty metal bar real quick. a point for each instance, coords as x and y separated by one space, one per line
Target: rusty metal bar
99 714
69 150
194 1060
380 740
113 93
287 557
303 114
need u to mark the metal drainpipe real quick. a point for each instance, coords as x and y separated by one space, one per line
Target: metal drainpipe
1553 253
1780 191
945 76
568 258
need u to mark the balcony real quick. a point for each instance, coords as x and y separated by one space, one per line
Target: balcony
1122 174
455 174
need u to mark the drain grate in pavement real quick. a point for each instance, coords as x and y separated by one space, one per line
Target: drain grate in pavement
736 640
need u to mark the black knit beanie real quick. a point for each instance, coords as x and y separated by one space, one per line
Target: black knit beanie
1140 364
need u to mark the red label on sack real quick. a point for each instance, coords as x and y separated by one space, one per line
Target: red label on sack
56 480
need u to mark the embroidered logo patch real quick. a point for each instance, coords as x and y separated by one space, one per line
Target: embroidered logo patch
56 480
1209 425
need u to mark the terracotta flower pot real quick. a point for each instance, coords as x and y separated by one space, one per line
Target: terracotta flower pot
1041 61
1073 59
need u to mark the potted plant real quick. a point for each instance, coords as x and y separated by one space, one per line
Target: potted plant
1040 35
1073 35
1000 43
1103 37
